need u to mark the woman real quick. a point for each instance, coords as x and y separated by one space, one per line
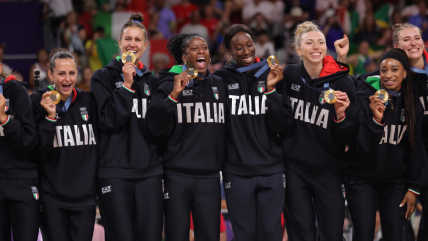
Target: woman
130 170
254 170
190 121
68 153
20 205
85 83
409 38
42 65
387 160
315 149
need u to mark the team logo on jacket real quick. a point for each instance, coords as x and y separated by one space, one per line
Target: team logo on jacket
118 84
84 113
233 86
35 192
228 185
146 89
166 195
261 86
402 115
322 100
106 189
57 116
215 91
6 107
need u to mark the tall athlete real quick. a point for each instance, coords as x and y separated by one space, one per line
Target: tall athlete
315 149
254 169
129 170
387 160
189 116
409 38
19 195
68 153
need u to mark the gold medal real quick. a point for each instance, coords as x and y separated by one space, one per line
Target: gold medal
193 73
330 96
272 60
382 95
128 56
55 96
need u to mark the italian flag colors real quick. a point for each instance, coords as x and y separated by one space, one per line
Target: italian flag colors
85 117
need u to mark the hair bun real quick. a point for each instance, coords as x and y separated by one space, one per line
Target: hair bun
138 17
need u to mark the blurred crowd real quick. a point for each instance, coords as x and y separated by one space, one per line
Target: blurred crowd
89 28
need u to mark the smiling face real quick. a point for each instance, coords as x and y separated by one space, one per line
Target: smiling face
312 47
133 40
242 49
410 40
64 76
392 74
197 55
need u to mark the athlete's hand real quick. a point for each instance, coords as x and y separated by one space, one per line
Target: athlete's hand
48 105
342 102
3 116
274 76
342 48
410 199
378 107
128 71
180 82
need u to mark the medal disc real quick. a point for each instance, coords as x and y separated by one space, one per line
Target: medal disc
193 73
382 95
330 96
272 60
55 96
128 56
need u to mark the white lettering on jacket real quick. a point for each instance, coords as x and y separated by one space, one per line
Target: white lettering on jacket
72 136
242 105
301 112
389 135
136 107
198 112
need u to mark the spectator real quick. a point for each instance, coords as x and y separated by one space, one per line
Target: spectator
368 31
6 68
259 24
42 65
195 26
92 49
322 6
421 20
264 46
160 61
362 58
232 11
257 6
182 12
85 82
332 31
58 9
344 16
210 21
396 18
74 34
166 20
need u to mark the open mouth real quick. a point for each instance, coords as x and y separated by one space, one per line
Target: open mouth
316 55
201 63
389 82
248 59
133 51
66 87
414 50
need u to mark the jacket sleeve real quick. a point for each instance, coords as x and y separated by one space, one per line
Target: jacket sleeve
161 112
417 169
370 132
279 115
20 131
45 128
344 130
114 106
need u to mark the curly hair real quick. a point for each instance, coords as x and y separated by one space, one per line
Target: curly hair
179 43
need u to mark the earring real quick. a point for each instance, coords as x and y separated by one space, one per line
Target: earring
210 60
185 63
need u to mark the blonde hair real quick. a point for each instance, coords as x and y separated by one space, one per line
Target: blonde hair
396 29
301 29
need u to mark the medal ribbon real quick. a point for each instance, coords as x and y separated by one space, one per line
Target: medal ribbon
263 63
421 71
190 84
326 86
